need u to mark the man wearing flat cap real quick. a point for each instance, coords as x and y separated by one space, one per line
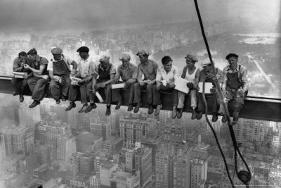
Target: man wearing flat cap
103 79
84 75
20 83
39 79
235 85
127 72
59 71
146 77
191 74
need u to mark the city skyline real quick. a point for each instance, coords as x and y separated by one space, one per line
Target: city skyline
59 148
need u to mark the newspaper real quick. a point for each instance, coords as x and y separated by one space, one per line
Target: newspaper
181 85
208 87
20 74
118 86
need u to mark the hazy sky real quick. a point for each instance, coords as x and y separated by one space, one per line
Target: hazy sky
73 14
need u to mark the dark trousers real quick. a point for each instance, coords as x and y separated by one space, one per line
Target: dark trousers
165 90
106 92
19 85
38 87
60 89
151 93
85 92
129 88
212 101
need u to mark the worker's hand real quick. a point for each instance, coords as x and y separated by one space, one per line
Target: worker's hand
149 82
190 85
172 85
142 83
26 66
57 78
80 82
240 92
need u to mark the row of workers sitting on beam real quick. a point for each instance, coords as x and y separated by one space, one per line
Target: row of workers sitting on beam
67 78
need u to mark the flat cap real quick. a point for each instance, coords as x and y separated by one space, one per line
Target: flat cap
191 58
104 58
56 51
125 57
83 49
32 51
231 55
142 53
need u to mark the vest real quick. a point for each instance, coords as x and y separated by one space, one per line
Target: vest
189 77
233 80
60 68
104 74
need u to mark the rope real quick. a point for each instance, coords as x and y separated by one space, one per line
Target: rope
215 135
225 109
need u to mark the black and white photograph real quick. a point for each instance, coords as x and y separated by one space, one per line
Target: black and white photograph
140 94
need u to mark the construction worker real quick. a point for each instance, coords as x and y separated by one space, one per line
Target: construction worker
104 77
165 82
191 74
235 85
84 85
209 76
59 72
146 77
39 79
20 83
127 72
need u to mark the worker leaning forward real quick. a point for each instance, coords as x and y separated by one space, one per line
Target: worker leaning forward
208 75
59 72
128 74
235 85
146 77
102 80
20 83
39 79
82 81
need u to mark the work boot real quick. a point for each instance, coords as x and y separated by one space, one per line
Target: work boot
34 103
71 105
108 110
150 109
157 111
224 119
214 117
90 107
174 113
58 101
117 107
21 98
179 113
137 108
193 116
130 108
84 107
199 115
